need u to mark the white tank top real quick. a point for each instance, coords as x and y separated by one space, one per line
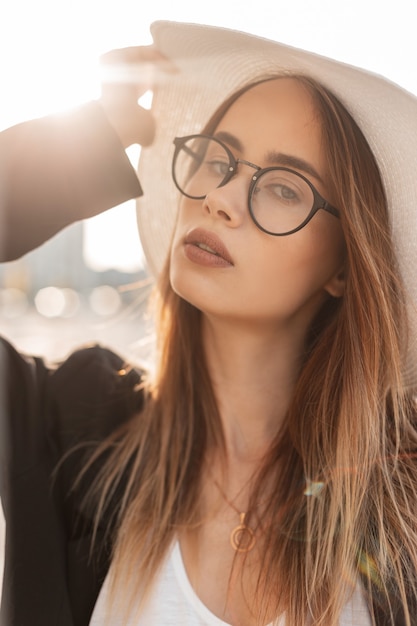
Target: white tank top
173 602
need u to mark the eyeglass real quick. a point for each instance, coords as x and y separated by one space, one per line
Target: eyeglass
281 201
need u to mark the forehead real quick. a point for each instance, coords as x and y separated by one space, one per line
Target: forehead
279 112
281 92
281 102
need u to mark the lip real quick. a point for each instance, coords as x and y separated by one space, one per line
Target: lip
217 256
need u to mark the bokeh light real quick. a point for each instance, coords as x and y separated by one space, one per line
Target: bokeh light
105 300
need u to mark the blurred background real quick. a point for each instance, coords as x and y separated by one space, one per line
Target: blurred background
90 283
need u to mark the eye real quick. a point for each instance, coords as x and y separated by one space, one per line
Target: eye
218 167
282 192
285 189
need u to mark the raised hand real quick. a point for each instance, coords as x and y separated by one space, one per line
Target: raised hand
127 73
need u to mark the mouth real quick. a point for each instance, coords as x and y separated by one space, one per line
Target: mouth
203 246
208 243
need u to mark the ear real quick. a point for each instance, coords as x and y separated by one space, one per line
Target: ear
336 285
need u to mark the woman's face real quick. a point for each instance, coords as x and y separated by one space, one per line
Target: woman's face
256 278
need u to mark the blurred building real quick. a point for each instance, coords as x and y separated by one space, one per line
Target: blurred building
51 301
60 262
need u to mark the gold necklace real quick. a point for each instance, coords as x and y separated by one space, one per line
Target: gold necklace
242 537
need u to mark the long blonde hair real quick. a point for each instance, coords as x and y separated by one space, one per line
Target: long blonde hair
343 504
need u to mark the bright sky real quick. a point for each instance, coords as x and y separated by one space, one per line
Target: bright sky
49 51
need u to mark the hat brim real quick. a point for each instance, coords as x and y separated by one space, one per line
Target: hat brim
214 62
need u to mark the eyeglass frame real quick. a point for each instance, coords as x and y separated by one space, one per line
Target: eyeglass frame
319 201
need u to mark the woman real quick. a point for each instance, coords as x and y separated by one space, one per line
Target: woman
266 472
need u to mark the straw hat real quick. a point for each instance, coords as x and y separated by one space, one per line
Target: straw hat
213 63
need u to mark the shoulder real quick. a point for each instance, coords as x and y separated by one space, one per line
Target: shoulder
90 394
44 411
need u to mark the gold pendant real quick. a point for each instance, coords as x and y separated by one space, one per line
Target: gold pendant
242 538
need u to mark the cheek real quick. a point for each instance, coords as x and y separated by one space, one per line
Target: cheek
179 231
298 269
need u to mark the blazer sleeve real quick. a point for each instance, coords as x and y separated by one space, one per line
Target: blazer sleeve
57 170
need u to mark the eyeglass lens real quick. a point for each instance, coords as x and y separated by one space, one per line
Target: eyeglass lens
280 200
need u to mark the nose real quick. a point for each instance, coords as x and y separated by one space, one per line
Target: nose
230 201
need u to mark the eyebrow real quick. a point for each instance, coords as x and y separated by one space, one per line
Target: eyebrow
273 157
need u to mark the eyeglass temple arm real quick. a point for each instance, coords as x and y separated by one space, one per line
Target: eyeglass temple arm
331 209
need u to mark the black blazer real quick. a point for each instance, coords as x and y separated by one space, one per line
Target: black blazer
54 171
49 578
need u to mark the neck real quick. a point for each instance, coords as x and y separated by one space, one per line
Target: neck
253 370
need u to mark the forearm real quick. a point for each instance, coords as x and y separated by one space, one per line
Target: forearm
58 170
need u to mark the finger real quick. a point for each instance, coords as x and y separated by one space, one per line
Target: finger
135 79
133 54
136 57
